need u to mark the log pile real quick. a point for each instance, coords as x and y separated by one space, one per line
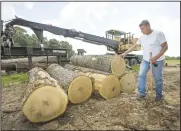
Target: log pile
105 64
49 91
105 84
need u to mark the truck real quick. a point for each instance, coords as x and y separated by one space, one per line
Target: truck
116 41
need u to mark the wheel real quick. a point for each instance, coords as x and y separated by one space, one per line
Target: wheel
133 62
127 61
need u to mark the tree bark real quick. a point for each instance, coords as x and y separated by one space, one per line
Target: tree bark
104 84
106 63
84 69
44 99
78 88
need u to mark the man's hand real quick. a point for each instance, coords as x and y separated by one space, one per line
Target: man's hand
123 55
153 59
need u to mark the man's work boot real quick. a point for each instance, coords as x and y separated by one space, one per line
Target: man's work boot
140 97
159 98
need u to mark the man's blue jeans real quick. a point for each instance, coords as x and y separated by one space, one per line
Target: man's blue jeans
157 73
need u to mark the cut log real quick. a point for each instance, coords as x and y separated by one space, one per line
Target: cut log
78 88
21 64
106 63
105 84
9 67
44 99
84 69
128 82
41 59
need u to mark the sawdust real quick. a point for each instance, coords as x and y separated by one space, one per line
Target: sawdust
121 113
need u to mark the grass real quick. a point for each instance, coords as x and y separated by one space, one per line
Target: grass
169 62
136 68
14 79
172 62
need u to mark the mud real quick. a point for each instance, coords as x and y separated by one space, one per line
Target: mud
120 113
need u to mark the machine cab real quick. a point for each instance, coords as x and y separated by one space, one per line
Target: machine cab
115 35
124 39
81 51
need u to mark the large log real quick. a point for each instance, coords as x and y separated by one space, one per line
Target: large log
22 63
78 87
107 63
84 69
128 82
35 59
105 84
44 99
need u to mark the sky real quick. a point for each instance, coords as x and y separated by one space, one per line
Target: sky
97 17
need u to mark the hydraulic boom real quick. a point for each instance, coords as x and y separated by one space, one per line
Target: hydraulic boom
115 40
39 28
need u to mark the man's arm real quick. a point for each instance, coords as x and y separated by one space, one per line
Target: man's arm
163 50
163 43
131 49
137 42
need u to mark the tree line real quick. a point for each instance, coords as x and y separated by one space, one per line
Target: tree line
172 58
22 39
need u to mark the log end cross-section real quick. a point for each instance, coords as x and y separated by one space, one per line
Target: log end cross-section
80 89
128 83
118 65
110 87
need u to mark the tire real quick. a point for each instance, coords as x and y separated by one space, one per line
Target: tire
127 62
133 62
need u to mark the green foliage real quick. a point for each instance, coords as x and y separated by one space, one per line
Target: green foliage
14 79
22 39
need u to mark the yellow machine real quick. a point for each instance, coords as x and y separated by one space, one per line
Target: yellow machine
125 40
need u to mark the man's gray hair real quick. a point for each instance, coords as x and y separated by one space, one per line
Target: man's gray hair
144 22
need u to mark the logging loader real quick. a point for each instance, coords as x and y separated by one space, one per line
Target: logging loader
81 51
116 41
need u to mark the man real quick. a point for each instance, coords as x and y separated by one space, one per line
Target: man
155 42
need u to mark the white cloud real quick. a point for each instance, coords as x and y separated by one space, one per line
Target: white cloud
96 18
8 12
29 5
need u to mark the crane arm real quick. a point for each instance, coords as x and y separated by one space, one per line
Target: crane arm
38 28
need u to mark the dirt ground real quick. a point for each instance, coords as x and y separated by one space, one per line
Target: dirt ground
120 113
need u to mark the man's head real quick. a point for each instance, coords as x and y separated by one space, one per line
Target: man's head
145 27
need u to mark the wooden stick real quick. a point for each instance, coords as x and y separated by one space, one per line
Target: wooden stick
151 80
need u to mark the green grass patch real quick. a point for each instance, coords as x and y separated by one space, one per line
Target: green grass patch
13 79
169 62
136 67
172 62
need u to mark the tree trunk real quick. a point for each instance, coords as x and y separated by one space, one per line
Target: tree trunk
21 64
106 63
9 67
84 69
128 82
105 84
78 88
44 99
